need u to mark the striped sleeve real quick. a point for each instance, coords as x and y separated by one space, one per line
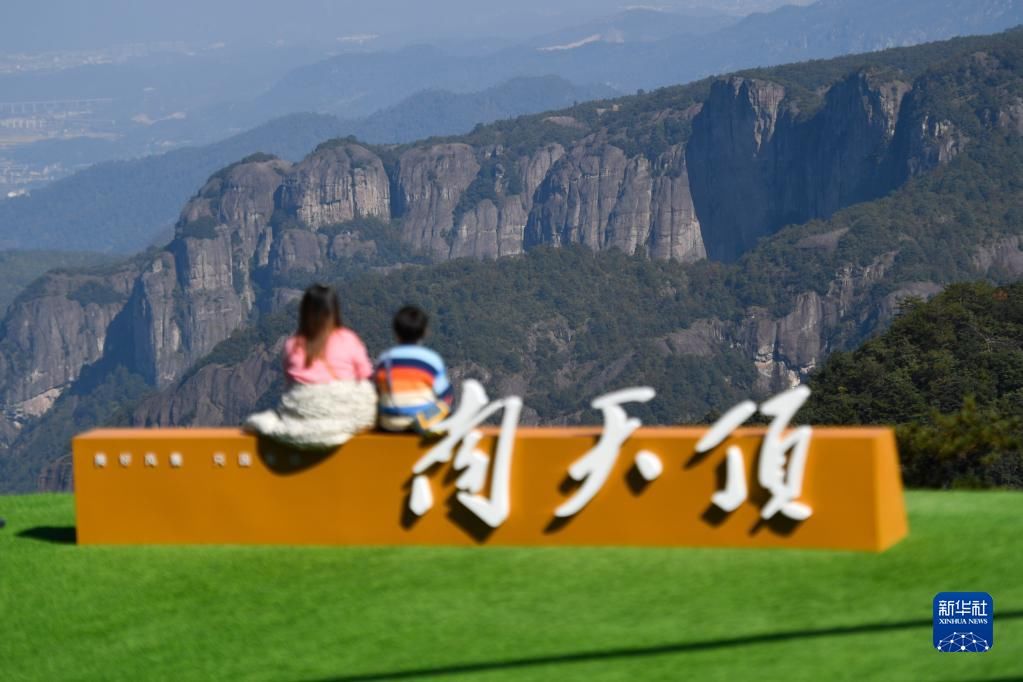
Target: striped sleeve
442 385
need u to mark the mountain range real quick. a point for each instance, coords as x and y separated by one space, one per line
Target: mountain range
718 240
641 48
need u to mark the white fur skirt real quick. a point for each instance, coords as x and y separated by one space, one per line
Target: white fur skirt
318 415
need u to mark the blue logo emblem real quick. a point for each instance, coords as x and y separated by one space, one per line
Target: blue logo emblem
964 622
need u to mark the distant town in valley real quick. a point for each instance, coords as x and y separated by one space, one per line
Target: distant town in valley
27 122
24 122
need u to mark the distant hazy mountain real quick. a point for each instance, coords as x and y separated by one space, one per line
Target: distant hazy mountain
122 206
439 112
593 53
354 84
831 27
77 24
639 25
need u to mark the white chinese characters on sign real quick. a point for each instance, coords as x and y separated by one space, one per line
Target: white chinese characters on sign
593 467
779 473
461 427
781 465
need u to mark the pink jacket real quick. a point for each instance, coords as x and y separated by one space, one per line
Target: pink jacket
344 358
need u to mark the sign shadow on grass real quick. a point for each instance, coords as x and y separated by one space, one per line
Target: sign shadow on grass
640 651
58 535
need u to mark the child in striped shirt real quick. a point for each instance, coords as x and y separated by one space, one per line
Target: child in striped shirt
412 382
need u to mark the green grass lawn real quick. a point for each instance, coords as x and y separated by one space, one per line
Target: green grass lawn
505 614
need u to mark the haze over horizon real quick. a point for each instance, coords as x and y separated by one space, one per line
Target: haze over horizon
72 25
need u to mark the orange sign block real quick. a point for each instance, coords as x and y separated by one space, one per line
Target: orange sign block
191 486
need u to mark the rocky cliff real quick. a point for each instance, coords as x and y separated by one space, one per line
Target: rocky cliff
336 184
759 162
199 289
597 196
62 324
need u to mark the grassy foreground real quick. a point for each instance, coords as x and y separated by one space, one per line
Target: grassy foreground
69 612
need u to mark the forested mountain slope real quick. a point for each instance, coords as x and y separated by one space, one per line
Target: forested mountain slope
949 373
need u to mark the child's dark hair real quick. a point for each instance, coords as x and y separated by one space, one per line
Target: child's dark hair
410 324
318 315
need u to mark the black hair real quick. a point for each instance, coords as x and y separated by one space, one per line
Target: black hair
319 314
410 324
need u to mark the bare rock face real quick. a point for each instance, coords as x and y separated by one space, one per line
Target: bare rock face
254 235
431 181
728 155
337 183
196 292
756 164
496 226
491 230
156 326
54 330
538 165
575 201
842 155
798 337
888 308
786 350
595 196
1010 118
674 232
938 142
298 251
628 225
752 163
1002 256
241 195
929 139
703 338
476 235
239 202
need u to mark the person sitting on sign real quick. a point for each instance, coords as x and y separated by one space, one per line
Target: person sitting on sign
329 397
411 380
